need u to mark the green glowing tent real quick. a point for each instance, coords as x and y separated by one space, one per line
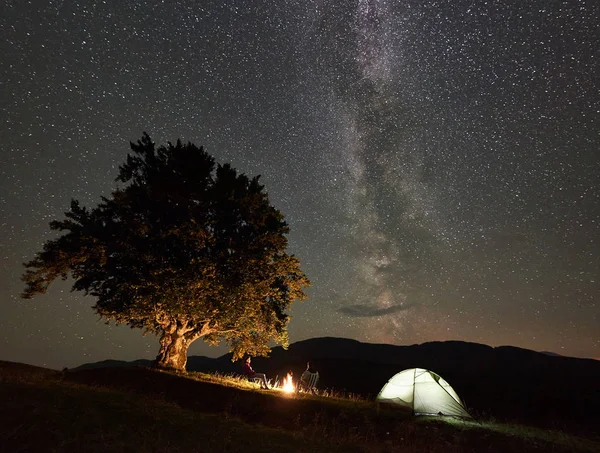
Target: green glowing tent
423 393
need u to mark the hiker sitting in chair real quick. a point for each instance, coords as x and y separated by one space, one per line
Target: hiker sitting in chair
309 379
252 375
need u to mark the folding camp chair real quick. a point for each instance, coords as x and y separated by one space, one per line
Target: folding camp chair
259 381
308 382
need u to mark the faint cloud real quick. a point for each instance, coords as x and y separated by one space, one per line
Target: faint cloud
369 311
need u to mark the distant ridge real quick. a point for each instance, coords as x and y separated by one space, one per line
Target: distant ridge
114 364
195 363
553 354
332 348
335 348
320 347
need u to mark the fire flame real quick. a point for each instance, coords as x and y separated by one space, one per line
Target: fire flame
288 384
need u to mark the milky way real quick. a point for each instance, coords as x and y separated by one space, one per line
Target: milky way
437 161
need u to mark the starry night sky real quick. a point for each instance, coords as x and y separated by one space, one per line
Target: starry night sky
438 162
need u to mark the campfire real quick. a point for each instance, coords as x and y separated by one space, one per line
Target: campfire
287 385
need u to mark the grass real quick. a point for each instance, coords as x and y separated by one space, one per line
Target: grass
531 434
94 420
45 413
142 410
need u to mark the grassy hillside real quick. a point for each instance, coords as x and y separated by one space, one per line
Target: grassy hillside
511 384
143 410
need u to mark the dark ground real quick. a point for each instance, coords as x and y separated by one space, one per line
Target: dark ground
44 410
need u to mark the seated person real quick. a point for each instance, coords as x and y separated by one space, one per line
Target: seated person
309 379
253 375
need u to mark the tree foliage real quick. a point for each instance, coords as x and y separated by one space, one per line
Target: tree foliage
186 249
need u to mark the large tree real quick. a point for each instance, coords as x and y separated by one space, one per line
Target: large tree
185 249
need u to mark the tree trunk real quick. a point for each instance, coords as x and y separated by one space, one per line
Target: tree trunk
173 351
